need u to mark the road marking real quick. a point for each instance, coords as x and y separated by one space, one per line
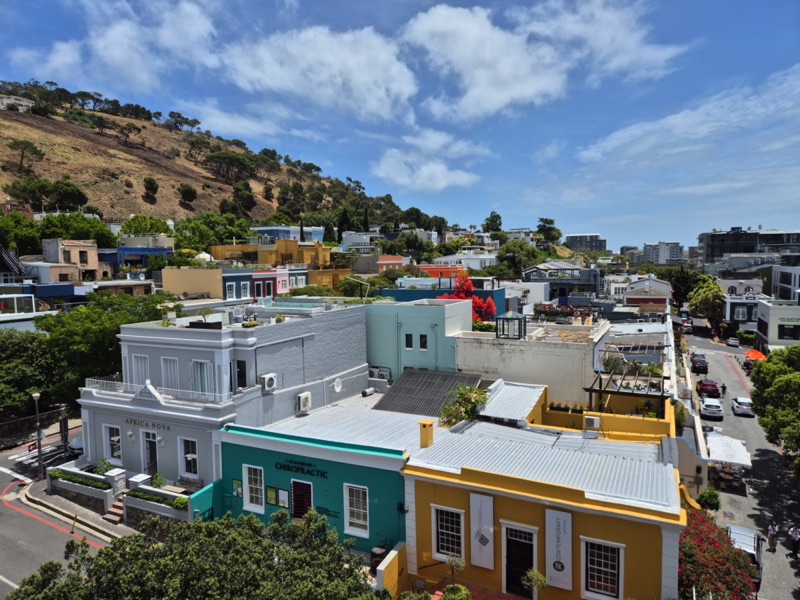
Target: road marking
17 475
9 582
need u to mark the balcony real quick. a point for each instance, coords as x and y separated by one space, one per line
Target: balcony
113 385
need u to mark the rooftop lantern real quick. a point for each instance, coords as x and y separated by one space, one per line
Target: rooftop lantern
510 326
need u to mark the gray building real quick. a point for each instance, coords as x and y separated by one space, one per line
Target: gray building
185 379
716 244
564 278
662 253
591 242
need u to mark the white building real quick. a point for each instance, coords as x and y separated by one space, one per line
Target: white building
778 324
662 252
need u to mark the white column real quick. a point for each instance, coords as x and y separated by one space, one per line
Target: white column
670 539
411 526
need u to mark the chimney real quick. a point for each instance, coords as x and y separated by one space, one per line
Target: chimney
425 433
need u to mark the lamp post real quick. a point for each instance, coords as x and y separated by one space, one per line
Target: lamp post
36 396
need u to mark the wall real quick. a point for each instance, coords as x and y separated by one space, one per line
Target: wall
192 281
566 368
385 489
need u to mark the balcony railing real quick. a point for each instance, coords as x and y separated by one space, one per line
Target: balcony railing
113 385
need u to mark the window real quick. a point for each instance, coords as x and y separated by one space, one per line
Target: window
254 488
141 369
230 290
245 289
259 290
202 376
113 446
423 342
740 313
409 341
301 281
241 373
789 332
448 527
292 282
83 257
283 284
169 373
602 569
357 508
731 289
188 459
67 256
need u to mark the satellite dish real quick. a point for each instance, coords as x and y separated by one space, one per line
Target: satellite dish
337 385
141 277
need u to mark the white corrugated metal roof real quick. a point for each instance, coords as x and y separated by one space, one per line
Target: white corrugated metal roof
352 421
512 401
602 476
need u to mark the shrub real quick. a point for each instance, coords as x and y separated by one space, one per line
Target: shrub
180 504
249 324
98 485
486 326
187 193
102 467
413 596
128 183
709 564
158 480
709 499
150 186
534 580
177 503
680 416
463 406
456 592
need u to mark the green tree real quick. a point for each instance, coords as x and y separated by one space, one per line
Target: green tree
329 235
144 225
26 149
517 256
31 190
365 219
244 196
493 222
176 560
209 229
548 230
150 186
187 193
776 398
76 226
65 194
706 300
17 231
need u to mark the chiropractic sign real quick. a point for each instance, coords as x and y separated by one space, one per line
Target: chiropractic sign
301 468
558 548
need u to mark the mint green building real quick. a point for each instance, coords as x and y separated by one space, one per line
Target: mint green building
418 335
310 462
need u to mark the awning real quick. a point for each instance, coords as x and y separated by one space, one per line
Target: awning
724 449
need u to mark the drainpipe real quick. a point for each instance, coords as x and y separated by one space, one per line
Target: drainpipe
435 327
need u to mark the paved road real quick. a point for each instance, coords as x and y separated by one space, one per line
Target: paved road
771 493
28 537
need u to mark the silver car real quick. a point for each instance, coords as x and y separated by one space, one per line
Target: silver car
710 408
742 406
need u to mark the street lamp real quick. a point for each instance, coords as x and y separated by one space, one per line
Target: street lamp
36 396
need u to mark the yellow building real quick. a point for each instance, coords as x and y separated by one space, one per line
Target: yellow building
285 252
328 277
600 518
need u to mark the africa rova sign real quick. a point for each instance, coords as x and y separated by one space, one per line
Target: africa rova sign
558 548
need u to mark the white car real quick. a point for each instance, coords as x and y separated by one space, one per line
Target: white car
742 406
710 408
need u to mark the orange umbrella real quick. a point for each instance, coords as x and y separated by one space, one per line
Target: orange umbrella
755 355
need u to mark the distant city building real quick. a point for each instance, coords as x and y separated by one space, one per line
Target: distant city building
662 252
624 249
590 242
715 244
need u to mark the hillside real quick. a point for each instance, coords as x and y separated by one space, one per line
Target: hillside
111 172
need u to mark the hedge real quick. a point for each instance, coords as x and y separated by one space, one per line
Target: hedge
98 485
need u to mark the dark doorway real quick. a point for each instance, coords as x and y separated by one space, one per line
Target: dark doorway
301 499
519 558
150 452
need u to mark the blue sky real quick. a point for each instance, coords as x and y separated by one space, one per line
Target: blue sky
639 120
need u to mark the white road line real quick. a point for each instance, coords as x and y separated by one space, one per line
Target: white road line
9 582
17 475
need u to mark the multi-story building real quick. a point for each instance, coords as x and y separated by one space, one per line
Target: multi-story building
716 244
564 278
786 282
272 233
588 242
778 324
662 253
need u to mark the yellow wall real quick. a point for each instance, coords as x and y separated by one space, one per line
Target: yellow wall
192 281
329 277
642 539
392 573
224 252
291 252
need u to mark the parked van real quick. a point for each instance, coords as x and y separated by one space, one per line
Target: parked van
751 542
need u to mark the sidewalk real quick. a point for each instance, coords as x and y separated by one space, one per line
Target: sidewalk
79 518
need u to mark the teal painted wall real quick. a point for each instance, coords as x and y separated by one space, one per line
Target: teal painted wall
385 490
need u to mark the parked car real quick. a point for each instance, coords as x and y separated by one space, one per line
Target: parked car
699 367
75 447
708 387
710 408
742 406
732 342
697 356
752 543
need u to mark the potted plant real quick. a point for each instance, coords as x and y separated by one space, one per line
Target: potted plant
534 581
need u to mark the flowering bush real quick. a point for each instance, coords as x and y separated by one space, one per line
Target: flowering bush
709 563
482 310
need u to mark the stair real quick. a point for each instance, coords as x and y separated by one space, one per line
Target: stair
115 513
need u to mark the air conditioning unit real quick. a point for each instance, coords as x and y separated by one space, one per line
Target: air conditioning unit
384 374
268 383
304 402
373 372
591 422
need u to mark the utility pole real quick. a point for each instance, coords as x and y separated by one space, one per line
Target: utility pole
36 396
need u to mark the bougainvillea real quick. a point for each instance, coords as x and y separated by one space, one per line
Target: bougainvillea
482 310
709 563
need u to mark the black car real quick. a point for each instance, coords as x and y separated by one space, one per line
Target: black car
699 366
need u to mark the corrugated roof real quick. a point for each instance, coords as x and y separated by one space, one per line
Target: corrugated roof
512 400
353 422
602 476
421 392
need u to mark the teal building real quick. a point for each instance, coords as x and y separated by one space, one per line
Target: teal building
414 335
307 462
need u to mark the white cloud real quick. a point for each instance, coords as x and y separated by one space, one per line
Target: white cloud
358 71
432 142
187 32
607 34
494 69
419 172
64 59
549 152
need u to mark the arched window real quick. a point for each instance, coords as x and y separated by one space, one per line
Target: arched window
731 289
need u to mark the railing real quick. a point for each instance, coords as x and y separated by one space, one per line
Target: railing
113 385
194 397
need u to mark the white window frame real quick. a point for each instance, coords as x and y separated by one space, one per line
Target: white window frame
349 528
301 281
247 504
259 286
198 376
141 368
504 527
409 337
183 458
592 595
740 313
435 531
170 373
245 289
284 284
292 282
108 444
230 290
423 342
